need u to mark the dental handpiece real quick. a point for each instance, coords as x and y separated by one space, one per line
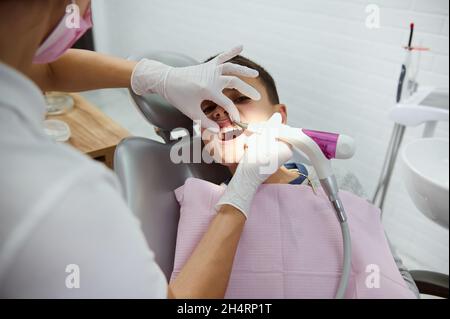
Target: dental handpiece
321 148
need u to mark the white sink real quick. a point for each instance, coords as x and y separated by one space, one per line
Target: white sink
425 171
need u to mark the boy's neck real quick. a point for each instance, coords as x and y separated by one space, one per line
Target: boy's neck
282 176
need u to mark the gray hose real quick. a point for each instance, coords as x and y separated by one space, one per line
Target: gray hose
346 270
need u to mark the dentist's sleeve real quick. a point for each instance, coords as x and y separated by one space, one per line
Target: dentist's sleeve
92 228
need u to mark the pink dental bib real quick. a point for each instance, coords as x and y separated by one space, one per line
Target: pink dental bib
291 246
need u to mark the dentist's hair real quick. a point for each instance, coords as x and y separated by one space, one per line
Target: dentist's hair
264 76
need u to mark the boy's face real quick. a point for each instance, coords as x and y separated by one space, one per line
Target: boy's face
229 145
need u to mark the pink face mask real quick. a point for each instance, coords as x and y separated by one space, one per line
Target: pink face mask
62 38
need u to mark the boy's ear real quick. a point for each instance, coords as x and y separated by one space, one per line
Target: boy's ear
282 109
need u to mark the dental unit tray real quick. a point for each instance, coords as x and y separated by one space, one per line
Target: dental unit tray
427 106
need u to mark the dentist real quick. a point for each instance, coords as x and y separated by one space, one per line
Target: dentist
65 229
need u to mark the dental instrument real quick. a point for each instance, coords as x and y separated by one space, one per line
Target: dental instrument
321 148
405 66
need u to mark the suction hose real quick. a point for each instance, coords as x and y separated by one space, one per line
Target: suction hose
347 266
331 189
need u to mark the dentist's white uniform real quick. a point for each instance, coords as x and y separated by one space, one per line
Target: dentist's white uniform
58 208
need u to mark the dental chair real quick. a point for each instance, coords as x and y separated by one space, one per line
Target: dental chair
149 177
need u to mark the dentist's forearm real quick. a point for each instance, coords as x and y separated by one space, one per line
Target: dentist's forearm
207 272
82 70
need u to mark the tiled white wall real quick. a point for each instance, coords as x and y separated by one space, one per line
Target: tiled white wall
332 71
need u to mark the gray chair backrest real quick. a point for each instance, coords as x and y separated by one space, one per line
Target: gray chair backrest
148 175
149 178
155 108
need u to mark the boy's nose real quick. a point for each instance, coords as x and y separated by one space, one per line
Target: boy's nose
220 113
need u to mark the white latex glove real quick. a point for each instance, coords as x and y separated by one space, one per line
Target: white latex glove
263 157
186 88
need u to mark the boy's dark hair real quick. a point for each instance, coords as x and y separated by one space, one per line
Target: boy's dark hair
264 76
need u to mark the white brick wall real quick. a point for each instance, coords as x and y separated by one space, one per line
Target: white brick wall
332 71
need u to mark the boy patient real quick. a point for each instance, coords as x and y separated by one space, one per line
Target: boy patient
227 148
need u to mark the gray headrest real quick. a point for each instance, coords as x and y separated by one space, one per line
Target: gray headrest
155 108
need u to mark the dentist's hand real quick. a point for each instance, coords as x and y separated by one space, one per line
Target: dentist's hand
263 157
186 88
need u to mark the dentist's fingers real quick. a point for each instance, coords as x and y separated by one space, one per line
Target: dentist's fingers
228 105
225 57
244 88
239 70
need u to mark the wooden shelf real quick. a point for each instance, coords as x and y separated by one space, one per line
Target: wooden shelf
93 133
